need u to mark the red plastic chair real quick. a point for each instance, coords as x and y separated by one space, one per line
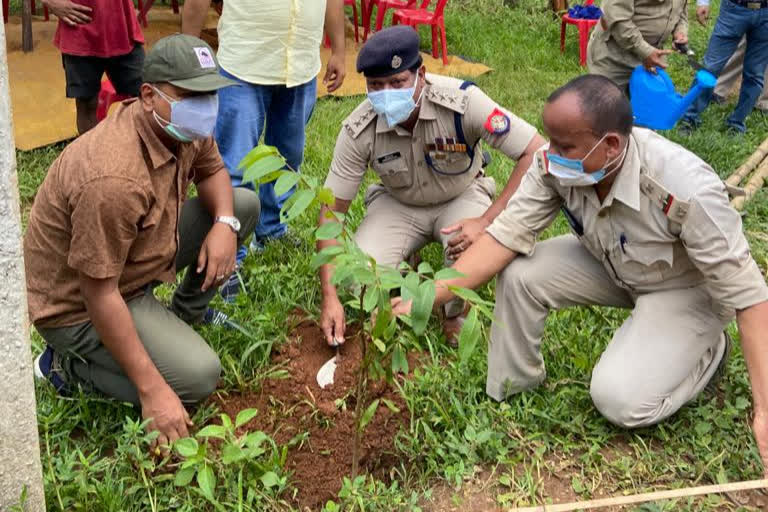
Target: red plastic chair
423 16
353 3
6 10
584 26
107 96
382 5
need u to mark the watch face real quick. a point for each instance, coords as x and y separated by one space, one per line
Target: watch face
235 223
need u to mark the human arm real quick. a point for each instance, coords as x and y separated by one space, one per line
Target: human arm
702 11
680 32
110 316
618 20
753 326
69 12
217 254
332 320
335 70
193 16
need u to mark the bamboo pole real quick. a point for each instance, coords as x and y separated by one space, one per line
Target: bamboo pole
27 42
744 169
649 496
753 185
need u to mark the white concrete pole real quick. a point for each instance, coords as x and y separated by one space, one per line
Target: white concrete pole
19 448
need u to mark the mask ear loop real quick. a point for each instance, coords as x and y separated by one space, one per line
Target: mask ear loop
620 157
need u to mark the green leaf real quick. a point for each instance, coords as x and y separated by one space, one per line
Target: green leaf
410 286
422 307
254 439
702 428
286 181
380 345
383 318
368 414
370 299
447 273
329 230
301 201
469 336
325 195
399 361
186 447
742 403
184 476
231 453
264 170
465 293
391 278
226 422
245 416
257 153
270 479
425 268
390 405
207 481
212 431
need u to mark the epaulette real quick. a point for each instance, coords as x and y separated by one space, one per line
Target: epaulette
359 119
540 161
675 209
452 99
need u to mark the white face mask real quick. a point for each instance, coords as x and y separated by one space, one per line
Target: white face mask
570 172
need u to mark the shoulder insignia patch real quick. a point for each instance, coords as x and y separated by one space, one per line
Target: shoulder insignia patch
452 99
498 122
673 208
359 120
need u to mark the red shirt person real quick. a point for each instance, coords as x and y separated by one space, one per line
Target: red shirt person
97 37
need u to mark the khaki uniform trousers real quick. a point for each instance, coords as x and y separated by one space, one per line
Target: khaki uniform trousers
731 75
659 359
391 231
183 358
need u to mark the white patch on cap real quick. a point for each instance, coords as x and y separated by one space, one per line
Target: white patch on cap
396 62
204 57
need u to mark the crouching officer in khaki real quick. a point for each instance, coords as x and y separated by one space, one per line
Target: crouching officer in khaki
653 232
110 222
421 134
634 32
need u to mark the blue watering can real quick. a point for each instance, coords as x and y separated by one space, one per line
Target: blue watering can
656 104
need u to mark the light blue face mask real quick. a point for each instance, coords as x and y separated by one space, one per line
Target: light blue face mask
396 105
570 171
192 118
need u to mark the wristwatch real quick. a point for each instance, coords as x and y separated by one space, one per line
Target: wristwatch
232 222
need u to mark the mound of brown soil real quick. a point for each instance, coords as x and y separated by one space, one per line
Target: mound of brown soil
293 405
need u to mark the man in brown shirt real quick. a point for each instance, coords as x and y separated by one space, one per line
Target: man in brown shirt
110 221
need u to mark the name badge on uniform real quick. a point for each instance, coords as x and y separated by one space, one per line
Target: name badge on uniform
388 157
498 122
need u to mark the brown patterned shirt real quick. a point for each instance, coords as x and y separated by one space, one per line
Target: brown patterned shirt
109 207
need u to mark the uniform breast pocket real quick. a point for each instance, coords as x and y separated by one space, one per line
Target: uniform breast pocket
393 173
453 162
644 263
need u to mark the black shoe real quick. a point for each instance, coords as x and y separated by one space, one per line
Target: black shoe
47 366
721 366
720 100
686 128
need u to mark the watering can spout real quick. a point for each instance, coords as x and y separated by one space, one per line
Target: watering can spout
656 104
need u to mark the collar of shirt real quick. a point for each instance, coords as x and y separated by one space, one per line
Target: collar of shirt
159 154
426 112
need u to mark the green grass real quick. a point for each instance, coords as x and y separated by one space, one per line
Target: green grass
92 449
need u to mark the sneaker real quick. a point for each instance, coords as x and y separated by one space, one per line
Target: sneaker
686 128
231 288
721 366
287 237
720 100
215 317
47 366
735 131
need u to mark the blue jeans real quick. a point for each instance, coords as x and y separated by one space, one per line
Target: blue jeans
243 112
733 23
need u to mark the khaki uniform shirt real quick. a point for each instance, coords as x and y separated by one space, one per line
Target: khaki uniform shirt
630 30
109 207
698 241
399 157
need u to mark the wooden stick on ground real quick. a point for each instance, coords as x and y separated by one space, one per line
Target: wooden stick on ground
649 496
744 169
753 185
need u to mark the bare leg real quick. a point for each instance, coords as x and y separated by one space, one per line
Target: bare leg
86 113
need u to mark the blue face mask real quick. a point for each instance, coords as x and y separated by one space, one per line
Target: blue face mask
192 118
570 171
396 105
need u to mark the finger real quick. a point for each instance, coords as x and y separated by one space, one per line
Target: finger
158 445
80 7
81 17
187 419
327 76
457 240
202 259
181 427
451 229
210 277
69 21
665 52
328 332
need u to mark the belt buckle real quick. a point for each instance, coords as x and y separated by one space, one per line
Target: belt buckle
753 5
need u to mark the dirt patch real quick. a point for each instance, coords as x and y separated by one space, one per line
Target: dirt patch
318 424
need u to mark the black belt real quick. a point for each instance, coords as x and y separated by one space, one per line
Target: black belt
752 4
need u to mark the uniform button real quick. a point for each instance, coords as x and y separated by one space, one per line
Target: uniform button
421 163
602 213
424 183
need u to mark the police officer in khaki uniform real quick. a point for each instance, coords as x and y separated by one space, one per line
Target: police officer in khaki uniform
422 136
653 232
633 32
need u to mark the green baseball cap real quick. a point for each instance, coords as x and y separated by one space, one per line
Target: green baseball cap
184 61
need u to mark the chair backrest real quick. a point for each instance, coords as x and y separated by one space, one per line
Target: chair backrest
589 2
440 7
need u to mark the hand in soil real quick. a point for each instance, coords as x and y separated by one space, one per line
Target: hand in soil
760 428
400 306
169 417
332 321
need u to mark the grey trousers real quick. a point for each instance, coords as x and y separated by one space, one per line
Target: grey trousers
731 74
391 230
659 359
183 358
